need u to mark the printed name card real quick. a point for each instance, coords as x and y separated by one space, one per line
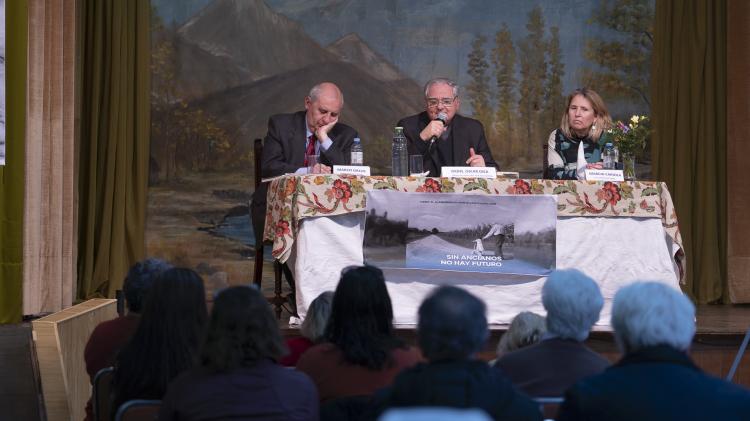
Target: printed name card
474 172
351 170
603 175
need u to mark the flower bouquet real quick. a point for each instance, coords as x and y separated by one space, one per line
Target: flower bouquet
630 138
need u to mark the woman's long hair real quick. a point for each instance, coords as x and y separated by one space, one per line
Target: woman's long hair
361 322
603 120
167 338
242 331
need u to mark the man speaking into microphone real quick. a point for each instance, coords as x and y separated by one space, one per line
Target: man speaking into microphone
441 135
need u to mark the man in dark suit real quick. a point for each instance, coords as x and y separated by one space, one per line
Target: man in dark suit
292 137
458 141
547 369
654 326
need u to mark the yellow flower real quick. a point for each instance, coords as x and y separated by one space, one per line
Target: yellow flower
635 119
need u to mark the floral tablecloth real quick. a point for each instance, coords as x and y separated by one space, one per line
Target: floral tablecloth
295 197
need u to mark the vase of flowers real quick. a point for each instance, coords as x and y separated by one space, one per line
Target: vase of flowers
630 139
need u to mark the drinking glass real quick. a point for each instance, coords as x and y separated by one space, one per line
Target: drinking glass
415 165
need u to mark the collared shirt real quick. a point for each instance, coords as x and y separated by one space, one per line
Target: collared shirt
322 144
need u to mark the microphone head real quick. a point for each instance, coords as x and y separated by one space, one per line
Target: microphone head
442 117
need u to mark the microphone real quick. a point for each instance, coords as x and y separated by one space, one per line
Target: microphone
443 118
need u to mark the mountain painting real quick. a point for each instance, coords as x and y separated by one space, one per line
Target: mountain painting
220 68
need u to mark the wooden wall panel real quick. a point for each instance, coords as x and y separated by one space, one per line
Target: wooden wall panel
60 340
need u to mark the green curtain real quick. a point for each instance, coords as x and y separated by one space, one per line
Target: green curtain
114 141
689 141
12 174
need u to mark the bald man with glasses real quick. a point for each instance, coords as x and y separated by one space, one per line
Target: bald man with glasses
441 135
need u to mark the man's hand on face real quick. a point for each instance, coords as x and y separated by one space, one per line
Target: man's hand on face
435 128
321 169
322 132
475 160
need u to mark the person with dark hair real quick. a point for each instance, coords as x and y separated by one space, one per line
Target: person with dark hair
452 329
361 354
313 329
109 336
167 339
237 377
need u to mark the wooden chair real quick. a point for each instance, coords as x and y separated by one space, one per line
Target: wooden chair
549 406
138 410
278 299
101 402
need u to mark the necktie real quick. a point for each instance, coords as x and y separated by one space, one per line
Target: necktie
310 147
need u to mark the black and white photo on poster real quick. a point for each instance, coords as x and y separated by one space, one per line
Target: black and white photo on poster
512 234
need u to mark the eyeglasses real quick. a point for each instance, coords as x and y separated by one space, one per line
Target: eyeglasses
446 102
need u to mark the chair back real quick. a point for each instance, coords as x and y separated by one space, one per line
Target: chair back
101 399
549 406
257 157
139 410
545 161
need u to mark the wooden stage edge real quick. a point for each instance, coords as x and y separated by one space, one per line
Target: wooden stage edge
719 333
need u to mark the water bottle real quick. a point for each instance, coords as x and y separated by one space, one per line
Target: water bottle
608 155
400 155
616 158
357 154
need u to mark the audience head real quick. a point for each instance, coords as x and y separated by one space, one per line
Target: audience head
573 302
452 324
525 329
585 115
314 326
138 282
241 331
323 105
650 313
361 321
441 96
167 338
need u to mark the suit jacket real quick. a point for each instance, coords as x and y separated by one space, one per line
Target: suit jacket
655 383
550 367
464 133
284 152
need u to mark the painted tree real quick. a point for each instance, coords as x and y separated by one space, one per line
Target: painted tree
533 72
504 61
624 64
553 95
478 88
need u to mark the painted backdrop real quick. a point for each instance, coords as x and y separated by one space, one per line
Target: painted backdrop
221 67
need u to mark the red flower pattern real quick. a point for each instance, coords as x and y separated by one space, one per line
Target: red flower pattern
430 186
341 190
520 187
282 228
610 192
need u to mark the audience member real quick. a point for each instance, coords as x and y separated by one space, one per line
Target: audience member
525 329
442 136
452 329
110 336
361 354
583 131
547 369
312 330
655 380
167 338
237 377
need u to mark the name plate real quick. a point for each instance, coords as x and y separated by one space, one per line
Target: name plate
351 170
475 172
603 175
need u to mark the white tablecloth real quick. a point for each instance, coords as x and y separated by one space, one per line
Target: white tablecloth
613 251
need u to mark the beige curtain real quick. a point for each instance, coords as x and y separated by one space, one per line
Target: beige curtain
50 197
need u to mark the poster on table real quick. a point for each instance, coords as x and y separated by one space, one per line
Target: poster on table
513 234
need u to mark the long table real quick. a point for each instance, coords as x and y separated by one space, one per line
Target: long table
617 233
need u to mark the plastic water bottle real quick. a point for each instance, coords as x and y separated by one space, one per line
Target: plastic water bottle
616 159
357 154
400 155
608 156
